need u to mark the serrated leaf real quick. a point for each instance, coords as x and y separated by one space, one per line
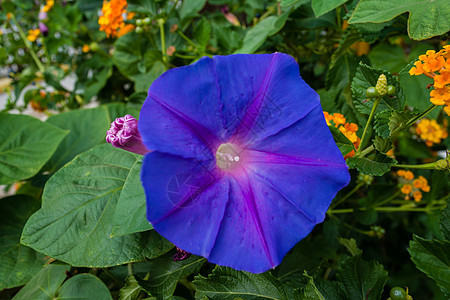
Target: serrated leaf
26 145
381 123
78 205
351 246
44 285
228 284
341 74
362 279
310 291
87 128
131 289
343 143
190 8
349 38
433 258
321 7
377 166
202 32
382 144
445 222
131 212
18 263
366 77
427 18
164 274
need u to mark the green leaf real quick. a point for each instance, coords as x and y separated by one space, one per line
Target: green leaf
445 222
143 81
119 109
351 246
148 7
427 18
310 291
321 7
164 274
131 211
361 279
366 77
258 34
433 258
84 286
26 145
344 144
382 144
348 39
202 32
190 8
44 285
377 166
131 289
87 128
19 263
381 123
389 57
78 205
225 283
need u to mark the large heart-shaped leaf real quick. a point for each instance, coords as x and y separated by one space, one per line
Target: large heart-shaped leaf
130 215
427 18
26 145
19 263
76 219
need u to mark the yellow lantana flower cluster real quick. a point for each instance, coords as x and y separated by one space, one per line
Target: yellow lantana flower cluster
48 5
431 132
436 66
33 34
348 129
412 188
111 20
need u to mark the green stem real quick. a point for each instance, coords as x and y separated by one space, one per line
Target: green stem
28 45
163 40
414 120
388 199
348 195
386 209
130 269
372 113
185 56
173 8
429 166
365 151
187 39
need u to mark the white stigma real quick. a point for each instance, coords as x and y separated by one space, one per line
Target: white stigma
227 156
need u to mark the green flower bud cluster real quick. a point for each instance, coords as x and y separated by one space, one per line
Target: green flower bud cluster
140 23
381 88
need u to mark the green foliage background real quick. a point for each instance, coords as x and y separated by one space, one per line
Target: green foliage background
75 226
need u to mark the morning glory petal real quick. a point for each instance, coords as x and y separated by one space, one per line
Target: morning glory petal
185 200
182 113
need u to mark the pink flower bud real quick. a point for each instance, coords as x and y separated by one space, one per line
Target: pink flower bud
124 134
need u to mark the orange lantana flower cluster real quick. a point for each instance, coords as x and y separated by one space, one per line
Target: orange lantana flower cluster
33 34
436 66
48 5
431 132
348 129
111 20
412 188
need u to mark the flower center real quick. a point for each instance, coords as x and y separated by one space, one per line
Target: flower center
227 156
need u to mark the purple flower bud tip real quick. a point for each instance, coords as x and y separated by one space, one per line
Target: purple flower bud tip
180 255
124 134
43 28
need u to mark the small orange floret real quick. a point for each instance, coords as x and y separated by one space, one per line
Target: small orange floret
339 119
417 70
406 189
409 175
417 195
431 132
401 173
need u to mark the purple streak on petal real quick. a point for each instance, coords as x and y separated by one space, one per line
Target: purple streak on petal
261 157
192 224
283 98
124 134
202 133
182 114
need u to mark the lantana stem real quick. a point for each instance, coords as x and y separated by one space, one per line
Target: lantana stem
28 45
429 166
357 187
161 23
372 113
414 120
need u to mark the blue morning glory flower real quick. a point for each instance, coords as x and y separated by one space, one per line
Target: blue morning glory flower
244 165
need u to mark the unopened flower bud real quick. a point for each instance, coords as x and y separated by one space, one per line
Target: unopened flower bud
124 134
381 86
43 28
